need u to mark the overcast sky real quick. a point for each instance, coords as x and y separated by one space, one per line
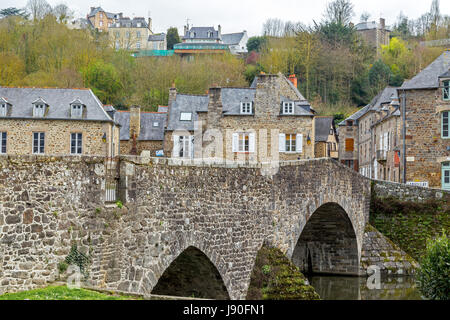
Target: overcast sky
238 15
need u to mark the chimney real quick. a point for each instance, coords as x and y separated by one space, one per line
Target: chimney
149 23
186 29
382 23
214 107
219 28
293 79
135 122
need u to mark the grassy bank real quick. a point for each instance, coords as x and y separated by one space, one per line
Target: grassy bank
409 224
63 293
274 277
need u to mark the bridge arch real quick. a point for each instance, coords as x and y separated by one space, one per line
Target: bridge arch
328 242
192 274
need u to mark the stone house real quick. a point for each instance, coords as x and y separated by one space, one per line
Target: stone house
208 40
374 33
268 121
141 131
425 143
135 34
326 140
44 121
102 20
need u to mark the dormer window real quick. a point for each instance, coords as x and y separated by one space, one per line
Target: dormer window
288 108
446 90
77 111
3 109
246 107
117 25
156 124
39 110
210 34
139 24
192 34
186 116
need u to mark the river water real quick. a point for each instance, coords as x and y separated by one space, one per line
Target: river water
355 288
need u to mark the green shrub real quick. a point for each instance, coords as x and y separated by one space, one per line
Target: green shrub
119 204
434 273
62 266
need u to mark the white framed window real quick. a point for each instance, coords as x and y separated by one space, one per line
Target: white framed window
77 111
3 137
3 110
76 143
446 90
127 34
156 124
139 25
101 23
244 142
138 45
445 124
38 110
288 108
290 143
38 142
186 116
183 147
246 107
117 25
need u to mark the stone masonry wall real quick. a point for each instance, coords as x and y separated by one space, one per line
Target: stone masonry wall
383 189
226 211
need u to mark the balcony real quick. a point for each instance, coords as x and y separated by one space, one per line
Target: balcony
381 155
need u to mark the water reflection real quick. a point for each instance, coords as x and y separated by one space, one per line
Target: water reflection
354 288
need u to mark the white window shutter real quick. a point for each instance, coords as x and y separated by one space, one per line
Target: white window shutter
386 141
282 143
191 146
251 145
235 142
176 146
299 143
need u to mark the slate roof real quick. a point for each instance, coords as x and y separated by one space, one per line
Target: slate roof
322 128
148 131
384 97
202 33
445 74
99 9
129 23
186 103
368 25
428 78
232 98
157 37
58 100
232 38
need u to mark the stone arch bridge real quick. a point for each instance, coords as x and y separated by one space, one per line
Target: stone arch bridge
314 211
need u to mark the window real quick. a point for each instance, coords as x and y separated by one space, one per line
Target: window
183 147
288 108
138 33
127 34
38 142
246 108
139 25
290 143
77 111
186 116
76 143
446 90
446 176
3 110
349 144
349 163
39 110
243 142
138 45
445 124
3 142
117 25
156 124
117 34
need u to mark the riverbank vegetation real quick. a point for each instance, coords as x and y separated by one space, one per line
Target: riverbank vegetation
275 277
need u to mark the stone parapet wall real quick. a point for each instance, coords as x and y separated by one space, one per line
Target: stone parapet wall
384 189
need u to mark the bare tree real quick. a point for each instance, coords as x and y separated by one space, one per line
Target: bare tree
62 12
339 11
38 8
274 28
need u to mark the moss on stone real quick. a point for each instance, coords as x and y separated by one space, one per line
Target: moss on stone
284 281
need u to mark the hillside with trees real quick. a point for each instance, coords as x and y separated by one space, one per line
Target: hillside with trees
337 71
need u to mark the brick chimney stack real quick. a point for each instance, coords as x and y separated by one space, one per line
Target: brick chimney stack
292 78
135 121
214 107
382 23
